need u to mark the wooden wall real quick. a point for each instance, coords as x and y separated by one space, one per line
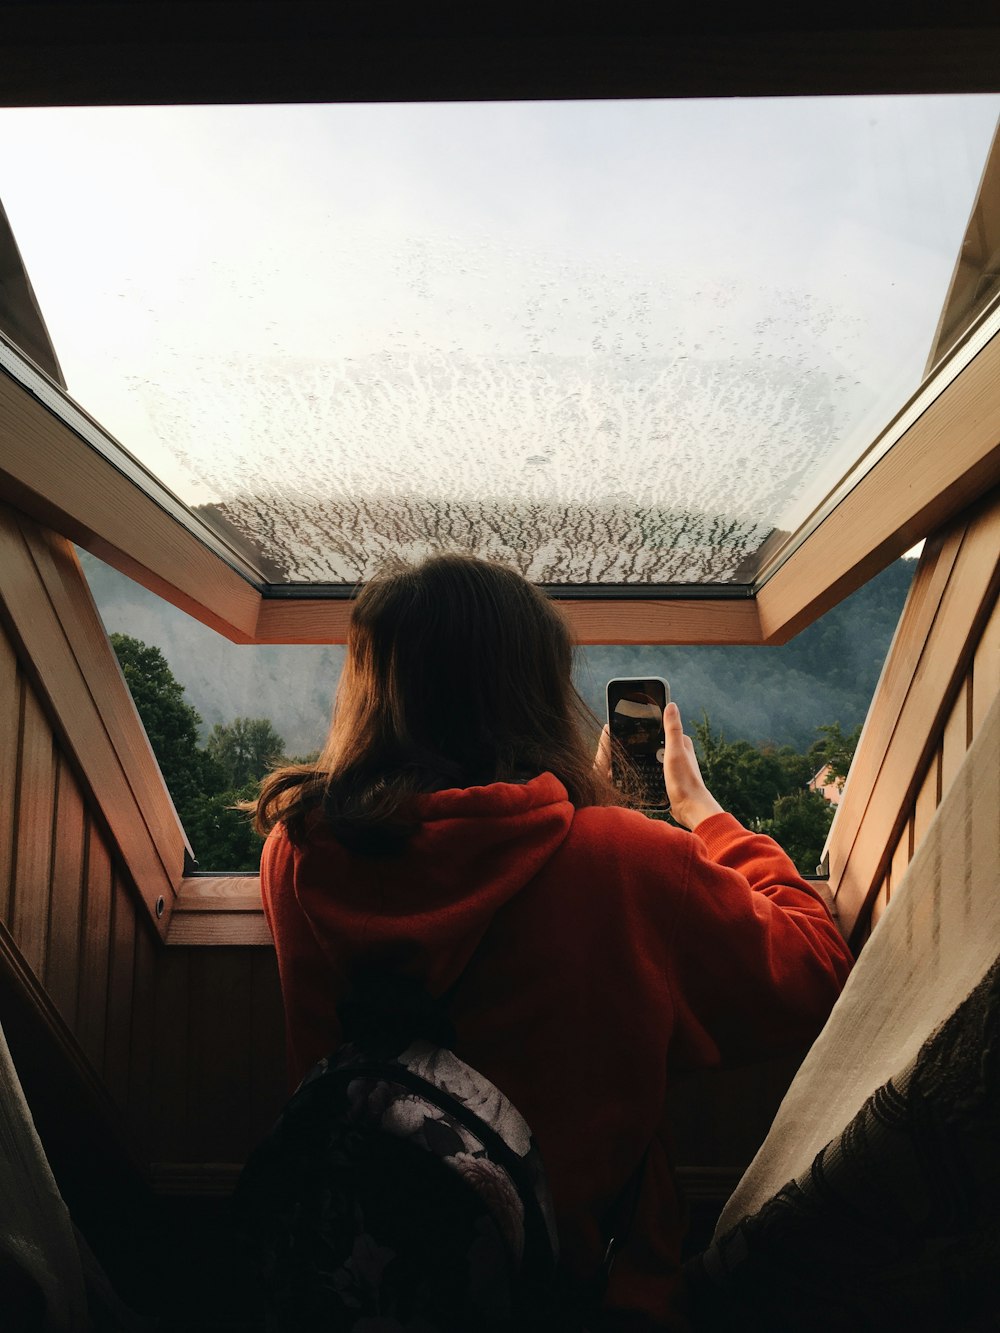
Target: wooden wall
940 677
977 689
181 1048
69 916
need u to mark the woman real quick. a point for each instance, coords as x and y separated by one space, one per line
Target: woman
456 827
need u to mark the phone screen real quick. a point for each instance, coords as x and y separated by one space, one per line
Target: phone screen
635 719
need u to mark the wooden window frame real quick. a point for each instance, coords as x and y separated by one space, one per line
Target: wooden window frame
897 776
942 452
47 609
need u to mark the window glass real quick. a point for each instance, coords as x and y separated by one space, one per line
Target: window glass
609 342
218 715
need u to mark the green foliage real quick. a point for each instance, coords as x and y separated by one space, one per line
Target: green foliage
743 778
763 785
800 823
766 788
204 783
171 724
836 751
246 749
223 838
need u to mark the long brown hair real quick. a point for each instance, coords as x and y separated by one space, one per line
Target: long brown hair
458 674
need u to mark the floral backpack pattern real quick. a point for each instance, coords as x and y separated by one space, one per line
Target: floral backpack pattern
401 1191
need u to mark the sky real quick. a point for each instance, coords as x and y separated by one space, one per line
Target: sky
695 311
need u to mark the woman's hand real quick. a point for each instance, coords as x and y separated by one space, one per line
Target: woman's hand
690 800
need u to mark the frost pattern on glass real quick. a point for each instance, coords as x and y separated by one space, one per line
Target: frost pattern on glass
645 451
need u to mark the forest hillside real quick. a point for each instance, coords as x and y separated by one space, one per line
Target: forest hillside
780 695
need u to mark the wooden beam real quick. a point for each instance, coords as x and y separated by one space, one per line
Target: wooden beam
214 911
219 929
219 893
64 650
49 473
952 597
946 460
709 620
142 51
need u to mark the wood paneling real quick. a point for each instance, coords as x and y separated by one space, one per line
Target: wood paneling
926 801
219 910
187 1044
217 1075
63 647
29 911
219 1057
268 1070
880 904
900 859
703 621
121 967
941 675
219 893
986 671
219 928
139 1107
10 746
173 1116
66 899
69 912
48 472
74 608
957 734
95 950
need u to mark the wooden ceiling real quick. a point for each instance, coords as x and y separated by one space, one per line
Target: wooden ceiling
147 51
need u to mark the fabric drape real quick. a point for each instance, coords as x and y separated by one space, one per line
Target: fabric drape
40 1272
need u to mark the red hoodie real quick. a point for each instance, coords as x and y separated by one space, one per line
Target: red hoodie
616 951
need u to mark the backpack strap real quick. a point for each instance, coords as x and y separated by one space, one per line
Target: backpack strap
621 1222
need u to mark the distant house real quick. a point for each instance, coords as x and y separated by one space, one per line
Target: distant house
826 785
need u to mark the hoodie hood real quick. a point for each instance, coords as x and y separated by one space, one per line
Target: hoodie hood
424 911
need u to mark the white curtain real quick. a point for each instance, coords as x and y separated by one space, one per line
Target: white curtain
935 942
36 1234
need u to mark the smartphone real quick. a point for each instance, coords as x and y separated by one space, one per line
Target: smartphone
635 720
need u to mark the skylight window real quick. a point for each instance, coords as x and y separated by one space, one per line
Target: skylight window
612 343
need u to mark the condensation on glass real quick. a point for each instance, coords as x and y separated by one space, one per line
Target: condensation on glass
611 343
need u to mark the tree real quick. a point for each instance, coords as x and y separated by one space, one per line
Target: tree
171 724
204 783
800 823
765 787
744 779
245 749
223 837
797 768
836 751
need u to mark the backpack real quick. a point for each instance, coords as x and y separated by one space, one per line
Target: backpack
400 1189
